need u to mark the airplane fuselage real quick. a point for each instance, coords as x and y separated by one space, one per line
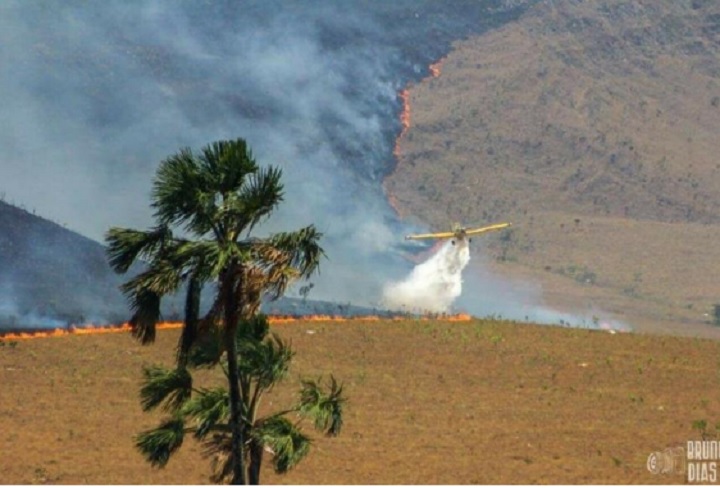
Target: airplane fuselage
460 237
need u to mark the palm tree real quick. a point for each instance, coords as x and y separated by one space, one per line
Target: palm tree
214 199
263 361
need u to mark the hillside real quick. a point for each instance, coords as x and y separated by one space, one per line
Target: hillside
481 402
50 275
593 127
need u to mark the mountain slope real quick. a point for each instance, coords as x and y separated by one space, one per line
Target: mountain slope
593 127
53 277
50 275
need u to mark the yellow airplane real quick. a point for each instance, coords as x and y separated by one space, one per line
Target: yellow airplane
459 233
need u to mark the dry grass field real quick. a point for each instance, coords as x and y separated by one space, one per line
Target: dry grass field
476 402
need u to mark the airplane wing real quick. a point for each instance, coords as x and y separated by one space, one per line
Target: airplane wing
472 232
439 235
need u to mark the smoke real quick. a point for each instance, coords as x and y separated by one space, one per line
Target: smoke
447 282
489 295
433 285
96 93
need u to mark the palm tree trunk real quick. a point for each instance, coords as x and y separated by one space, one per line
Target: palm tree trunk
236 420
256 455
192 313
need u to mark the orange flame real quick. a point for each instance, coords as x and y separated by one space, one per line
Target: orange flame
276 319
460 317
405 114
394 205
86 330
404 95
404 120
321 318
436 68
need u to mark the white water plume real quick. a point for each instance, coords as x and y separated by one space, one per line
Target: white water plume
433 285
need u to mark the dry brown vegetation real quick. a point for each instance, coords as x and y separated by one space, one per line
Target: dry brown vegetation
429 402
593 127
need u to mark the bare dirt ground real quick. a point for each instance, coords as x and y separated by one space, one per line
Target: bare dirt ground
477 402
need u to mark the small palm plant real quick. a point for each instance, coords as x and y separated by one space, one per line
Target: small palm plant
263 361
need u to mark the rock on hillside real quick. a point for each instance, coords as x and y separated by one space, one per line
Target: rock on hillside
580 121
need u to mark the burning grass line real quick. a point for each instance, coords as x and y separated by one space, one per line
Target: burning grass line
279 319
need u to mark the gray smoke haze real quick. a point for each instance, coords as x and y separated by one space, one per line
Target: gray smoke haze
94 94
450 281
486 294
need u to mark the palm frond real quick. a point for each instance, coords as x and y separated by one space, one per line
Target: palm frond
302 247
208 347
192 319
254 329
267 362
227 164
279 278
145 306
219 449
125 246
254 285
259 196
171 387
201 256
285 257
209 409
325 409
182 194
157 445
162 277
287 443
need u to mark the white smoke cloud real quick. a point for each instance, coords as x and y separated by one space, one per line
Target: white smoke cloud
433 285
445 283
